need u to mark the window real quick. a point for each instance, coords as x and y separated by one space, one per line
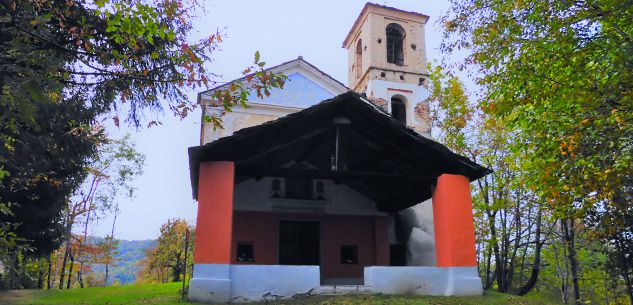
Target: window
399 110
245 252
395 42
359 58
275 191
349 254
299 188
397 255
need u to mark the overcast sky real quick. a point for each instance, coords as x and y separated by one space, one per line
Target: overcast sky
281 31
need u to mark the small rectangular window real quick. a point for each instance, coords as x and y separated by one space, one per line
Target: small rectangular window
349 254
245 252
397 255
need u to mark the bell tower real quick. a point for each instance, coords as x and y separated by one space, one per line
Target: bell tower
387 62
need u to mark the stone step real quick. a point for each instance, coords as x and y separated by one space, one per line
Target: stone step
342 289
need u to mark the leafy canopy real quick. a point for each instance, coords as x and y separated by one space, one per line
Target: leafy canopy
560 74
129 51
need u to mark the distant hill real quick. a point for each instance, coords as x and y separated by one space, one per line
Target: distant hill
129 253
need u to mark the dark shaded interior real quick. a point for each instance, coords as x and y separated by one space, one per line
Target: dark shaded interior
299 243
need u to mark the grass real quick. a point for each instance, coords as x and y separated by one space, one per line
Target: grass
164 294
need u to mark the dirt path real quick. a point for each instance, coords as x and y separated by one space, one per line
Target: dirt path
15 296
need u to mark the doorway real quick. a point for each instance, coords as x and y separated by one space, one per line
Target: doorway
299 243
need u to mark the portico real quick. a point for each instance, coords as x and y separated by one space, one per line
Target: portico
309 199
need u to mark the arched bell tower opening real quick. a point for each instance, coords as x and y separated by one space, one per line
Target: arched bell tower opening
395 41
359 59
399 108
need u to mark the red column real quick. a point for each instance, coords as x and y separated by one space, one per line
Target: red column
453 222
215 213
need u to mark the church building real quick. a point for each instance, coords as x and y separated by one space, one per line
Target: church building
324 188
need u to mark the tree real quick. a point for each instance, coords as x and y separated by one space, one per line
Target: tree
66 64
111 172
509 220
122 51
558 74
45 164
168 258
619 243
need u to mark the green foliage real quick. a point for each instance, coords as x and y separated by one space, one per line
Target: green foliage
452 112
8 238
561 75
47 163
66 63
508 220
167 261
130 52
558 75
110 174
126 257
256 79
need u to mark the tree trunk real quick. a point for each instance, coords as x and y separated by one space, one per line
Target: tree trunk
12 270
109 255
570 243
70 270
62 271
606 292
537 260
560 271
80 272
40 276
48 275
488 280
495 249
105 279
177 270
629 284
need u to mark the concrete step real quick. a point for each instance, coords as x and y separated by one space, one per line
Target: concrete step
342 289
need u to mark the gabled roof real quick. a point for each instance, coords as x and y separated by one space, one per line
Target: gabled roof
380 157
299 61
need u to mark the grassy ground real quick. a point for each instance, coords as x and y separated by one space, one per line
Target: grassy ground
131 294
164 294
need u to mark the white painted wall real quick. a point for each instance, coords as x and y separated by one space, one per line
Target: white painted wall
280 103
210 283
251 283
380 89
241 117
219 283
252 195
457 281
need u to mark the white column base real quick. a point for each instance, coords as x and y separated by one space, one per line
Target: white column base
213 283
413 280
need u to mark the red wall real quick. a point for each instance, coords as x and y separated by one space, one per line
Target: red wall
368 233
